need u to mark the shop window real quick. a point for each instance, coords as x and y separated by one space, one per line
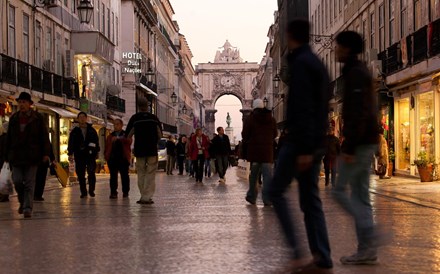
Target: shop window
64 136
403 135
426 120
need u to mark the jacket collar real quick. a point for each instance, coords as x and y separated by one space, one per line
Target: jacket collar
294 53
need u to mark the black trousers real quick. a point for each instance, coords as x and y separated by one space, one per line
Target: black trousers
122 168
180 161
40 180
81 166
198 167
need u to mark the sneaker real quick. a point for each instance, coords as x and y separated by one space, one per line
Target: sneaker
27 213
249 200
360 258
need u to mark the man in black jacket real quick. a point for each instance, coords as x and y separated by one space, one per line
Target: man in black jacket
84 146
361 136
301 154
221 147
147 131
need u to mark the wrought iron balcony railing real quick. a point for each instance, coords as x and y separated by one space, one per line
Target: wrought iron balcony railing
115 103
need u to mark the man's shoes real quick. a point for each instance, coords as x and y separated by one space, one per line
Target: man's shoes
20 210
222 180
384 177
113 196
27 213
267 204
38 199
312 268
92 194
368 257
149 202
249 200
125 195
83 196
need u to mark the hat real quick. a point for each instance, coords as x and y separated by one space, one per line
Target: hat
25 96
258 103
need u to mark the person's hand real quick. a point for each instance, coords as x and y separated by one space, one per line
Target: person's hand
347 158
304 162
70 158
46 159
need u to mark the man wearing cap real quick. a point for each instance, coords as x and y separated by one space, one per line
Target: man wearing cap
147 131
27 145
259 133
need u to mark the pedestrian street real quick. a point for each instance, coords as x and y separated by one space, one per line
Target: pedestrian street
194 228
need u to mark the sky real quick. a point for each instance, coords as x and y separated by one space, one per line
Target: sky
207 24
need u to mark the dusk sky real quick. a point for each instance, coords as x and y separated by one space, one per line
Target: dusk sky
208 23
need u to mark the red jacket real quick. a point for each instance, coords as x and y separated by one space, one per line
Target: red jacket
193 148
126 143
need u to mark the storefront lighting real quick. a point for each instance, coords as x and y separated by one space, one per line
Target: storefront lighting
85 11
174 99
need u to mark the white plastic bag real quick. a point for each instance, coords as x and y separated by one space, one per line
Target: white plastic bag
6 184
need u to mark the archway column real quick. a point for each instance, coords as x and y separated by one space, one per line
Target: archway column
210 121
246 113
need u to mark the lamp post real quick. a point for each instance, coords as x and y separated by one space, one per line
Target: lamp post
85 11
265 101
276 80
174 99
184 109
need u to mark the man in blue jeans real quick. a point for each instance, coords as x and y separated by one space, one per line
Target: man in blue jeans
302 151
361 136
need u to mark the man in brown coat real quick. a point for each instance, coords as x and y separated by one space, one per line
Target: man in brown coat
259 133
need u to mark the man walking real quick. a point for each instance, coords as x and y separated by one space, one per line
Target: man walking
301 153
118 155
361 136
332 150
84 146
27 145
171 155
147 131
222 149
259 133
181 154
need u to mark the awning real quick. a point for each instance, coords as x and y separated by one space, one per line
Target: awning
60 111
93 119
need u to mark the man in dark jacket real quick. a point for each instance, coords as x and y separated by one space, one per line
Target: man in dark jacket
221 146
301 154
118 155
171 155
27 145
361 136
147 131
84 146
259 133
333 148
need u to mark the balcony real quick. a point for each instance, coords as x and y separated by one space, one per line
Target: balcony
435 38
36 79
115 103
23 74
420 40
8 70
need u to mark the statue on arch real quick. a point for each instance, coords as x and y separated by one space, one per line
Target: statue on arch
228 120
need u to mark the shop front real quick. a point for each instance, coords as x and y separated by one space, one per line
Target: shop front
416 114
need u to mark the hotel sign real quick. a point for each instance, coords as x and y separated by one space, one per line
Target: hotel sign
132 61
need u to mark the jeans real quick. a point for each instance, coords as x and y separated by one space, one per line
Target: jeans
146 168
256 169
310 204
198 167
24 181
189 167
81 165
357 175
170 164
330 165
180 161
40 180
222 163
208 167
122 168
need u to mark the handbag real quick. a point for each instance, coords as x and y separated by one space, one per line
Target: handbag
6 184
381 169
232 161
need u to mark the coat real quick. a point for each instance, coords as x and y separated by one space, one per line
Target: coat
333 146
221 146
126 143
259 133
28 147
193 148
383 151
82 147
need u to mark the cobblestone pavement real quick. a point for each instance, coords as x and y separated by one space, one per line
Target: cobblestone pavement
194 229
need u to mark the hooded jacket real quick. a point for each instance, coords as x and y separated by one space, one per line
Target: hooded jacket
259 133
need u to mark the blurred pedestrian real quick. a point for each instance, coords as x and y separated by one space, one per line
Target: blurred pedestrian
383 158
147 131
333 148
222 149
118 156
181 155
360 130
189 164
259 133
84 146
27 145
3 134
171 154
199 152
302 151
40 180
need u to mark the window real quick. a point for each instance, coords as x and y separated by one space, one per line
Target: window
319 19
48 45
108 23
403 18
117 31
417 14
98 18
365 32
66 3
117 76
325 14
11 32
103 19
391 26
37 44
331 11
322 19
335 8
113 24
372 24
381 28
73 7
59 58
435 9
340 6
25 44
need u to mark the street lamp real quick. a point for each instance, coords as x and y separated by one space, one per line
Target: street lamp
184 109
265 101
85 11
174 99
191 115
276 80
150 75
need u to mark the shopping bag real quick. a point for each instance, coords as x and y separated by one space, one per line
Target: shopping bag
6 184
62 176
